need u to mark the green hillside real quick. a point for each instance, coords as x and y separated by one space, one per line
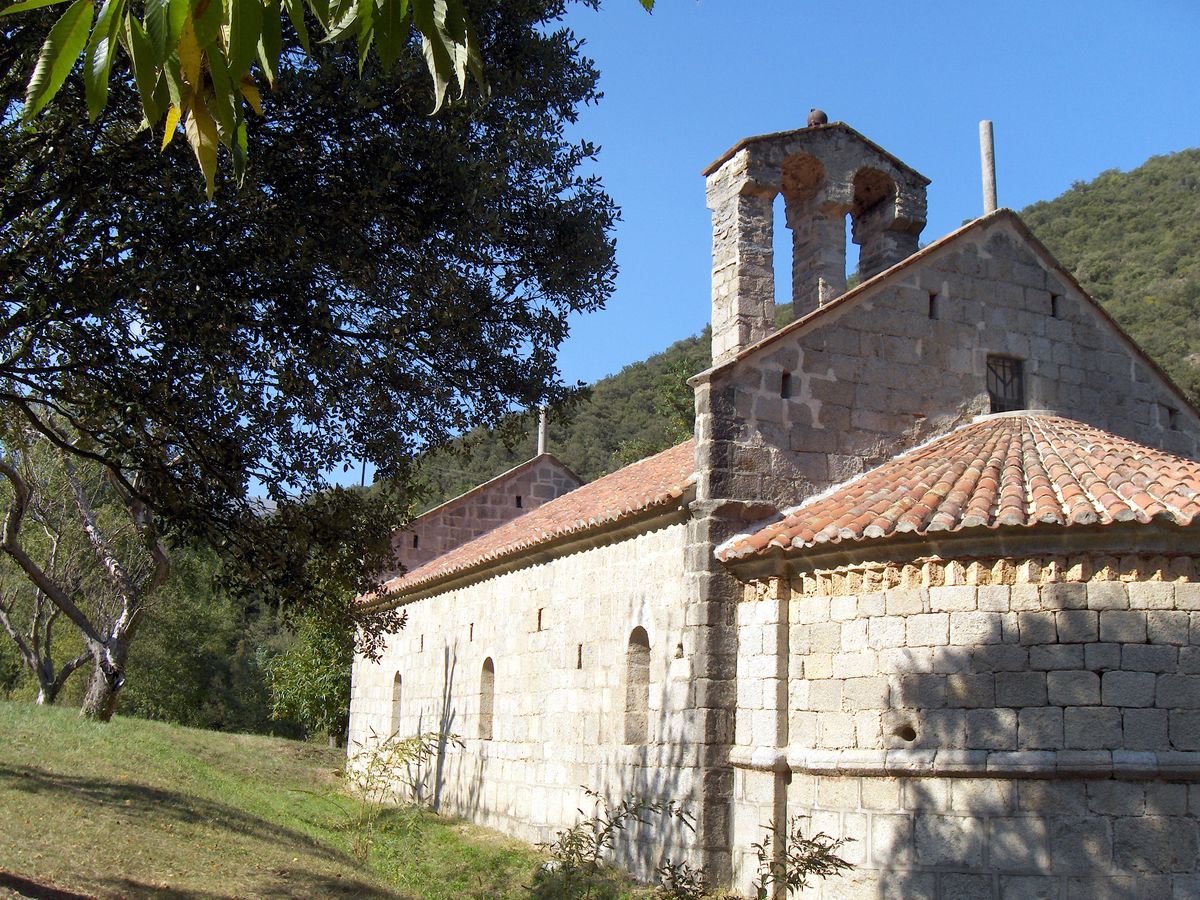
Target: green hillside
1131 238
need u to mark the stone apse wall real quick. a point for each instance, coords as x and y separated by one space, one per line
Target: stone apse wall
906 360
992 728
558 635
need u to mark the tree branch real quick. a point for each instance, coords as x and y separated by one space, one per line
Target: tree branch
11 545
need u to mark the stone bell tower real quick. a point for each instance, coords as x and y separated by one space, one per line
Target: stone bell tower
824 172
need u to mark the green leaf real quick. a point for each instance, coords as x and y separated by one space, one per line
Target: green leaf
178 11
454 21
162 90
225 103
27 5
366 30
99 57
427 17
245 30
391 30
351 22
145 69
63 45
173 80
295 11
648 5
157 24
240 153
320 9
208 18
366 35
472 59
189 57
270 44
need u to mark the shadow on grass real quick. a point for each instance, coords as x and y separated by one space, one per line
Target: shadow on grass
159 804
298 885
38 890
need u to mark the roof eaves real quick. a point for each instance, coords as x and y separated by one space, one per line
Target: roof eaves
1154 538
541 542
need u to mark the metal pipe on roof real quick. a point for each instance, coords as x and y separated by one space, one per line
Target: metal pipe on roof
987 154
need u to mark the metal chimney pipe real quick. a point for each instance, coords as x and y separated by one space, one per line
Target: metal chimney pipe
543 431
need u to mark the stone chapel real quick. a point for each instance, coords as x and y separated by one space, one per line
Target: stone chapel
928 575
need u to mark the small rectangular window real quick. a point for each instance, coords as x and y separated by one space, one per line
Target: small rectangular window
579 657
1005 384
416 541
539 619
785 385
471 634
421 646
1168 417
1055 306
935 305
519 503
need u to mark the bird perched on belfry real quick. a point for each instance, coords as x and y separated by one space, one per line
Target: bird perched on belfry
817 117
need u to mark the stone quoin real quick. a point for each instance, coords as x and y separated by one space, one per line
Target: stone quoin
927 576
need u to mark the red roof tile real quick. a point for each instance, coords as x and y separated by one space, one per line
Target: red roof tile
655 481
1010 470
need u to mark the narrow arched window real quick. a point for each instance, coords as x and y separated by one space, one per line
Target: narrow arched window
396 687
487 698
637 687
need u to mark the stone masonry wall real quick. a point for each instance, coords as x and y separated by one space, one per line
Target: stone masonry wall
875 376
992 728
480 510
560 690
824 174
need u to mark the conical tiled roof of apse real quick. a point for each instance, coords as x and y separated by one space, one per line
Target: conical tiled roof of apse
1010 470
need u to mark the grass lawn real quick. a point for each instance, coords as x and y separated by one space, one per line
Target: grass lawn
139 809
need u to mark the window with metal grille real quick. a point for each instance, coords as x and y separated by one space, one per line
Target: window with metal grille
1005 384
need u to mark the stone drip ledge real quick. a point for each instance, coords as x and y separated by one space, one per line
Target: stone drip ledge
1031 764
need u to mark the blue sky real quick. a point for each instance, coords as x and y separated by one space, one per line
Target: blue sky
1074 87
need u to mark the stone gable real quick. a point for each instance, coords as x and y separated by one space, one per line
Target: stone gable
904 357
481 510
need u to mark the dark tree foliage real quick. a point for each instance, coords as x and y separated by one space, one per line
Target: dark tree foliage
382 280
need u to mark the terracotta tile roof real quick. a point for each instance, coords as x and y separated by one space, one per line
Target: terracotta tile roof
655 481
1008 470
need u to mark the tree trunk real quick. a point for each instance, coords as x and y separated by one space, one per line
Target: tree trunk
47 694
108 676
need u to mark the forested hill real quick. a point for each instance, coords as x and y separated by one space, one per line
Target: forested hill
623 419
1131 238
